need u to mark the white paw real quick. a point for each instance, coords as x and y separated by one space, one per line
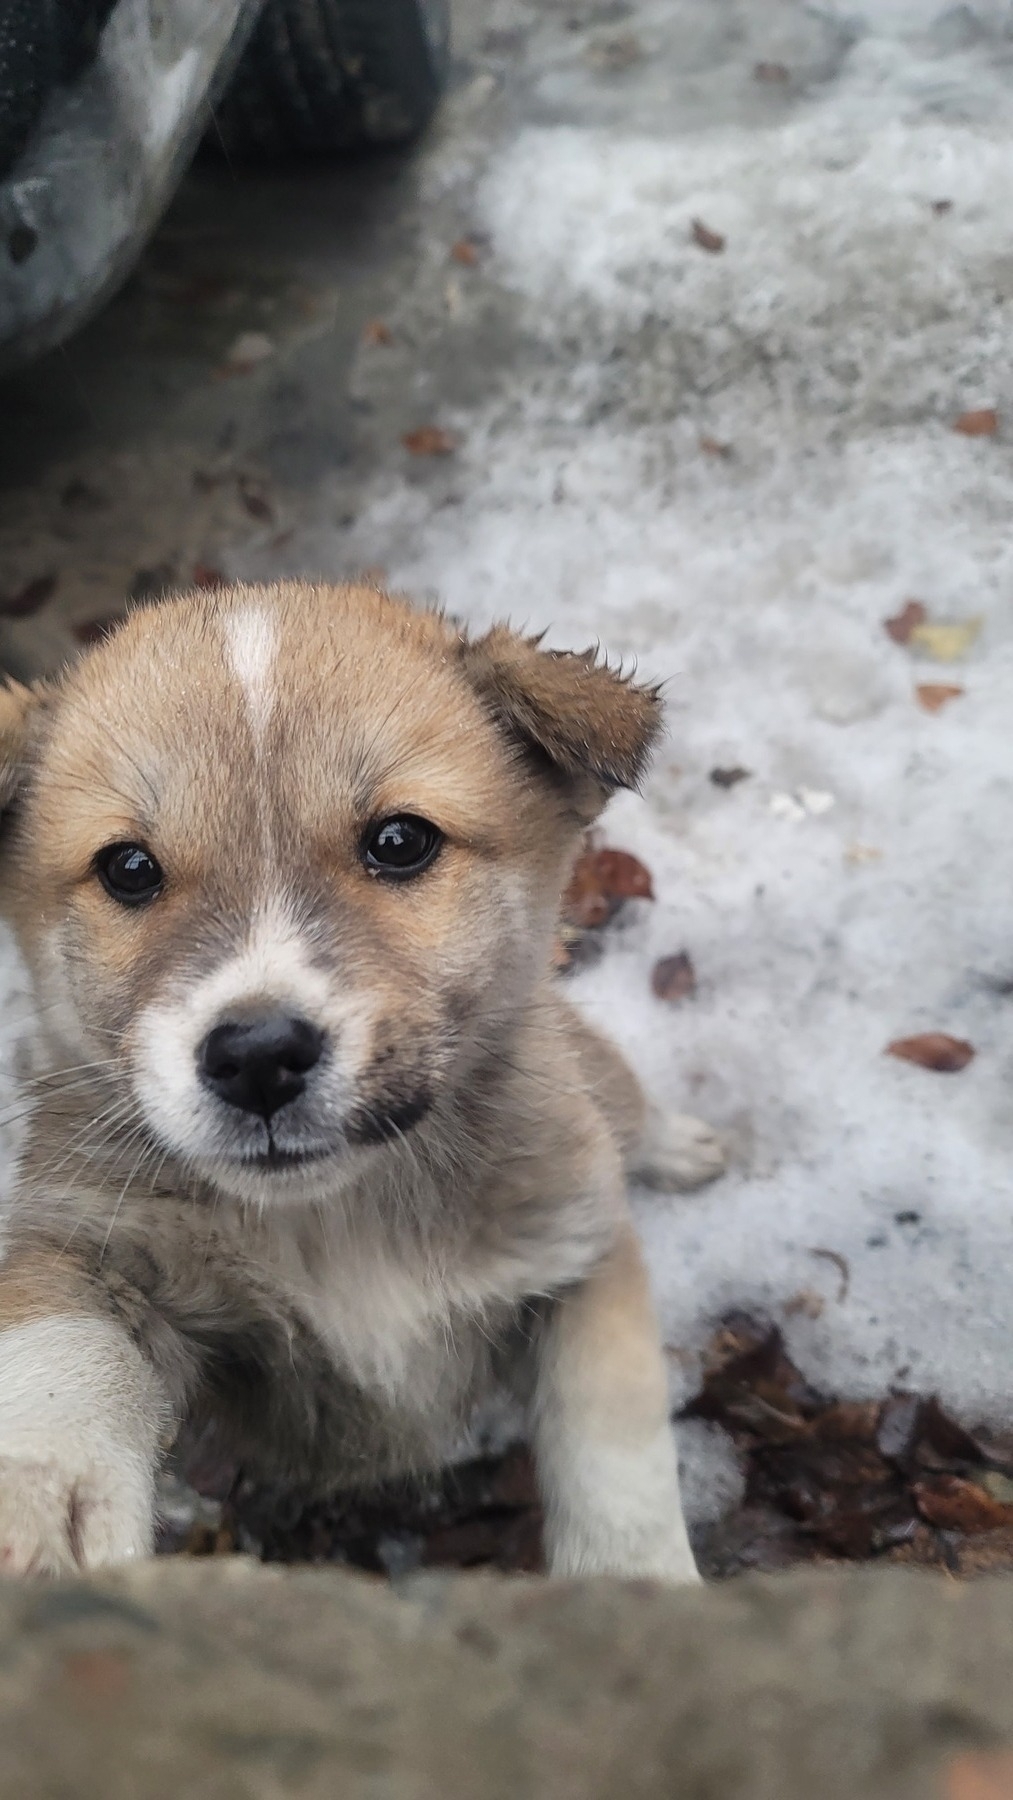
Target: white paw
662 1554
55 1520
678 1153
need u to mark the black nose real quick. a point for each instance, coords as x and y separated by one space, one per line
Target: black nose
261 1063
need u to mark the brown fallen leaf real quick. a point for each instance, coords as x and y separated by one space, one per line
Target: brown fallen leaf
429 440
206 577
945 641
954 1504
80 496
466 252
933 695
900 627
711 241
96 1677
600 882
841 1264
673 978
248 350
376 333
28 598
806 1304
899 1427
613 54
714 447
771 71
980 1775
728 778
254 499
983 421
933 1050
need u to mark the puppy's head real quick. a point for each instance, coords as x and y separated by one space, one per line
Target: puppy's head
285 861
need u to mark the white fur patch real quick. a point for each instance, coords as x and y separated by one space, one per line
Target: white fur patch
81 1420
251 641
613 1509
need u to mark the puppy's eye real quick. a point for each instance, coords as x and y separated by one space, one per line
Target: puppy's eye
401 847
129 873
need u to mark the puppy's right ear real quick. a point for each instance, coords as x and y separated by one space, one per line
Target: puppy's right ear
18 707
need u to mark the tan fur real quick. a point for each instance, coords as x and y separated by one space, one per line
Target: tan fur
458 1222
34 1285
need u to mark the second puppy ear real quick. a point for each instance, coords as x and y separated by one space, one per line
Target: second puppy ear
591 726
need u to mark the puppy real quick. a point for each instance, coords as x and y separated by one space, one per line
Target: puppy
318 1150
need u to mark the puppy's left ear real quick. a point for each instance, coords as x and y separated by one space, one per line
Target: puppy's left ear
18 707
589 726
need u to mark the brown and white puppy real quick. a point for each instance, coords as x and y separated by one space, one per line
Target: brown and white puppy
317 1147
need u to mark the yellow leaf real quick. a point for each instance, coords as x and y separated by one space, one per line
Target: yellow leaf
946 642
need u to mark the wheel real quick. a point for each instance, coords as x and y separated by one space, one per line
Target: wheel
320 76
42 43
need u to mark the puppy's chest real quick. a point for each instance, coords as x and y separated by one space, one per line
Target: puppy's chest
400 1333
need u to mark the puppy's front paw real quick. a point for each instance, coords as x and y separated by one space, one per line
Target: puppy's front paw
678 1153
55 1520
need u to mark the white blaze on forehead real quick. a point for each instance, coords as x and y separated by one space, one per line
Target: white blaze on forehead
251 643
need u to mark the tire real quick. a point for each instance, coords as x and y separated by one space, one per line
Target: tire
42 43
321 77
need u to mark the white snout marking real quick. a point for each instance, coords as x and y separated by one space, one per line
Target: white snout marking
273 967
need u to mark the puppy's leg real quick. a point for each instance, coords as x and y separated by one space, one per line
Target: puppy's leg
603 1443
669 1151
82 1418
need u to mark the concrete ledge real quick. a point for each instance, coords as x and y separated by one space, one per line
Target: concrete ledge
221 1680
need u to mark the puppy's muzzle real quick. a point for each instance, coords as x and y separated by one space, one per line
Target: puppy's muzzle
260 1063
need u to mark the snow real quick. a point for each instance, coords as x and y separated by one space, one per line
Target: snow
832 345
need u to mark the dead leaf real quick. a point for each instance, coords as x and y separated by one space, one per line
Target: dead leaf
842 1266
933 1050
29 598
674 978
998 1487
900 627
254 499
899 1428
376 333
980 1775
983 421
207 578
714 447
806 1304
933 695
711 241
857 854
612 54
600 882
467 252
771 71
947 641
729 778
96 1676
80 496
953 1504
430 440
244 354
